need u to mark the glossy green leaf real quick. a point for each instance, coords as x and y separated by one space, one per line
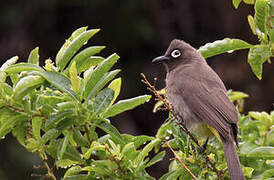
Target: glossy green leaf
65 163
236 95
71 46
95 146
19 67
34 56
102 100
236 3
249 1
222 46
157 106
89 62
5 90
59 81
80 139
94 76
97 170
270 138
247 171
8 124
64 145
3 68
115 85
36 127
72 171
125 105
53 120
257 55
251 23
25 85
268 174
140 140
74 79
81 59
263 152
102 82
156 158
112 131
50 134
77 177
261 14
20 130
138 160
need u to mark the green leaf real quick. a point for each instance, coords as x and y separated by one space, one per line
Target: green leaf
261 15
236 95
139 159
94 76
102 100
34 56
222 46
257 55
72 171
3 68
25 85
49 135
115 85
53 121
64 145
103 81
247 171
270 138
20 131
5 90
9 123
263 152
268 174
59 81
71 46
77 177
65 163
140 140
156 158
125 105
80 139
89 62
236 3
36 127
252 25
19 67
112 131
82 58
157 106
74 79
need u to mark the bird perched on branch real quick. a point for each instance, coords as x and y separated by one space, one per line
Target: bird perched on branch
198 96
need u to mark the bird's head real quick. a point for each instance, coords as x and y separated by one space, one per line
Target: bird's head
178 52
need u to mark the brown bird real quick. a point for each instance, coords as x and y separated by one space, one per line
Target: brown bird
198 96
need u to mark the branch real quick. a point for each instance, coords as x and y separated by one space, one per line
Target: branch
178 158
159 97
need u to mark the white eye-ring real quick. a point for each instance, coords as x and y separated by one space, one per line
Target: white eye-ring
175 53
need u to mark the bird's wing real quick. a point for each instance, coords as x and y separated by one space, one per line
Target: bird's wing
212 105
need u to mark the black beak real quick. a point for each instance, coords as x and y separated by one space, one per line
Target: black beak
160 59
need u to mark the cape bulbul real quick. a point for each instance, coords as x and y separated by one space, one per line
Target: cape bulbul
199 97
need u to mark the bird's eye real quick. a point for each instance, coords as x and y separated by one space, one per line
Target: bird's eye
175 53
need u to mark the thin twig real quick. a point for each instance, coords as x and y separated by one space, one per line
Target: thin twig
159 97
178 158
153 90
50 172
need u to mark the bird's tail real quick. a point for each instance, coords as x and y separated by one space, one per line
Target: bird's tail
232 159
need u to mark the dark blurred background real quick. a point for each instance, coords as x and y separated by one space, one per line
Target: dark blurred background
137 31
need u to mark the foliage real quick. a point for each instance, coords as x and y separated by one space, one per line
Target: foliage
261 24
57 110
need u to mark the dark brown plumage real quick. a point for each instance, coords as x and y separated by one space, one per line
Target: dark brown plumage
198 95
